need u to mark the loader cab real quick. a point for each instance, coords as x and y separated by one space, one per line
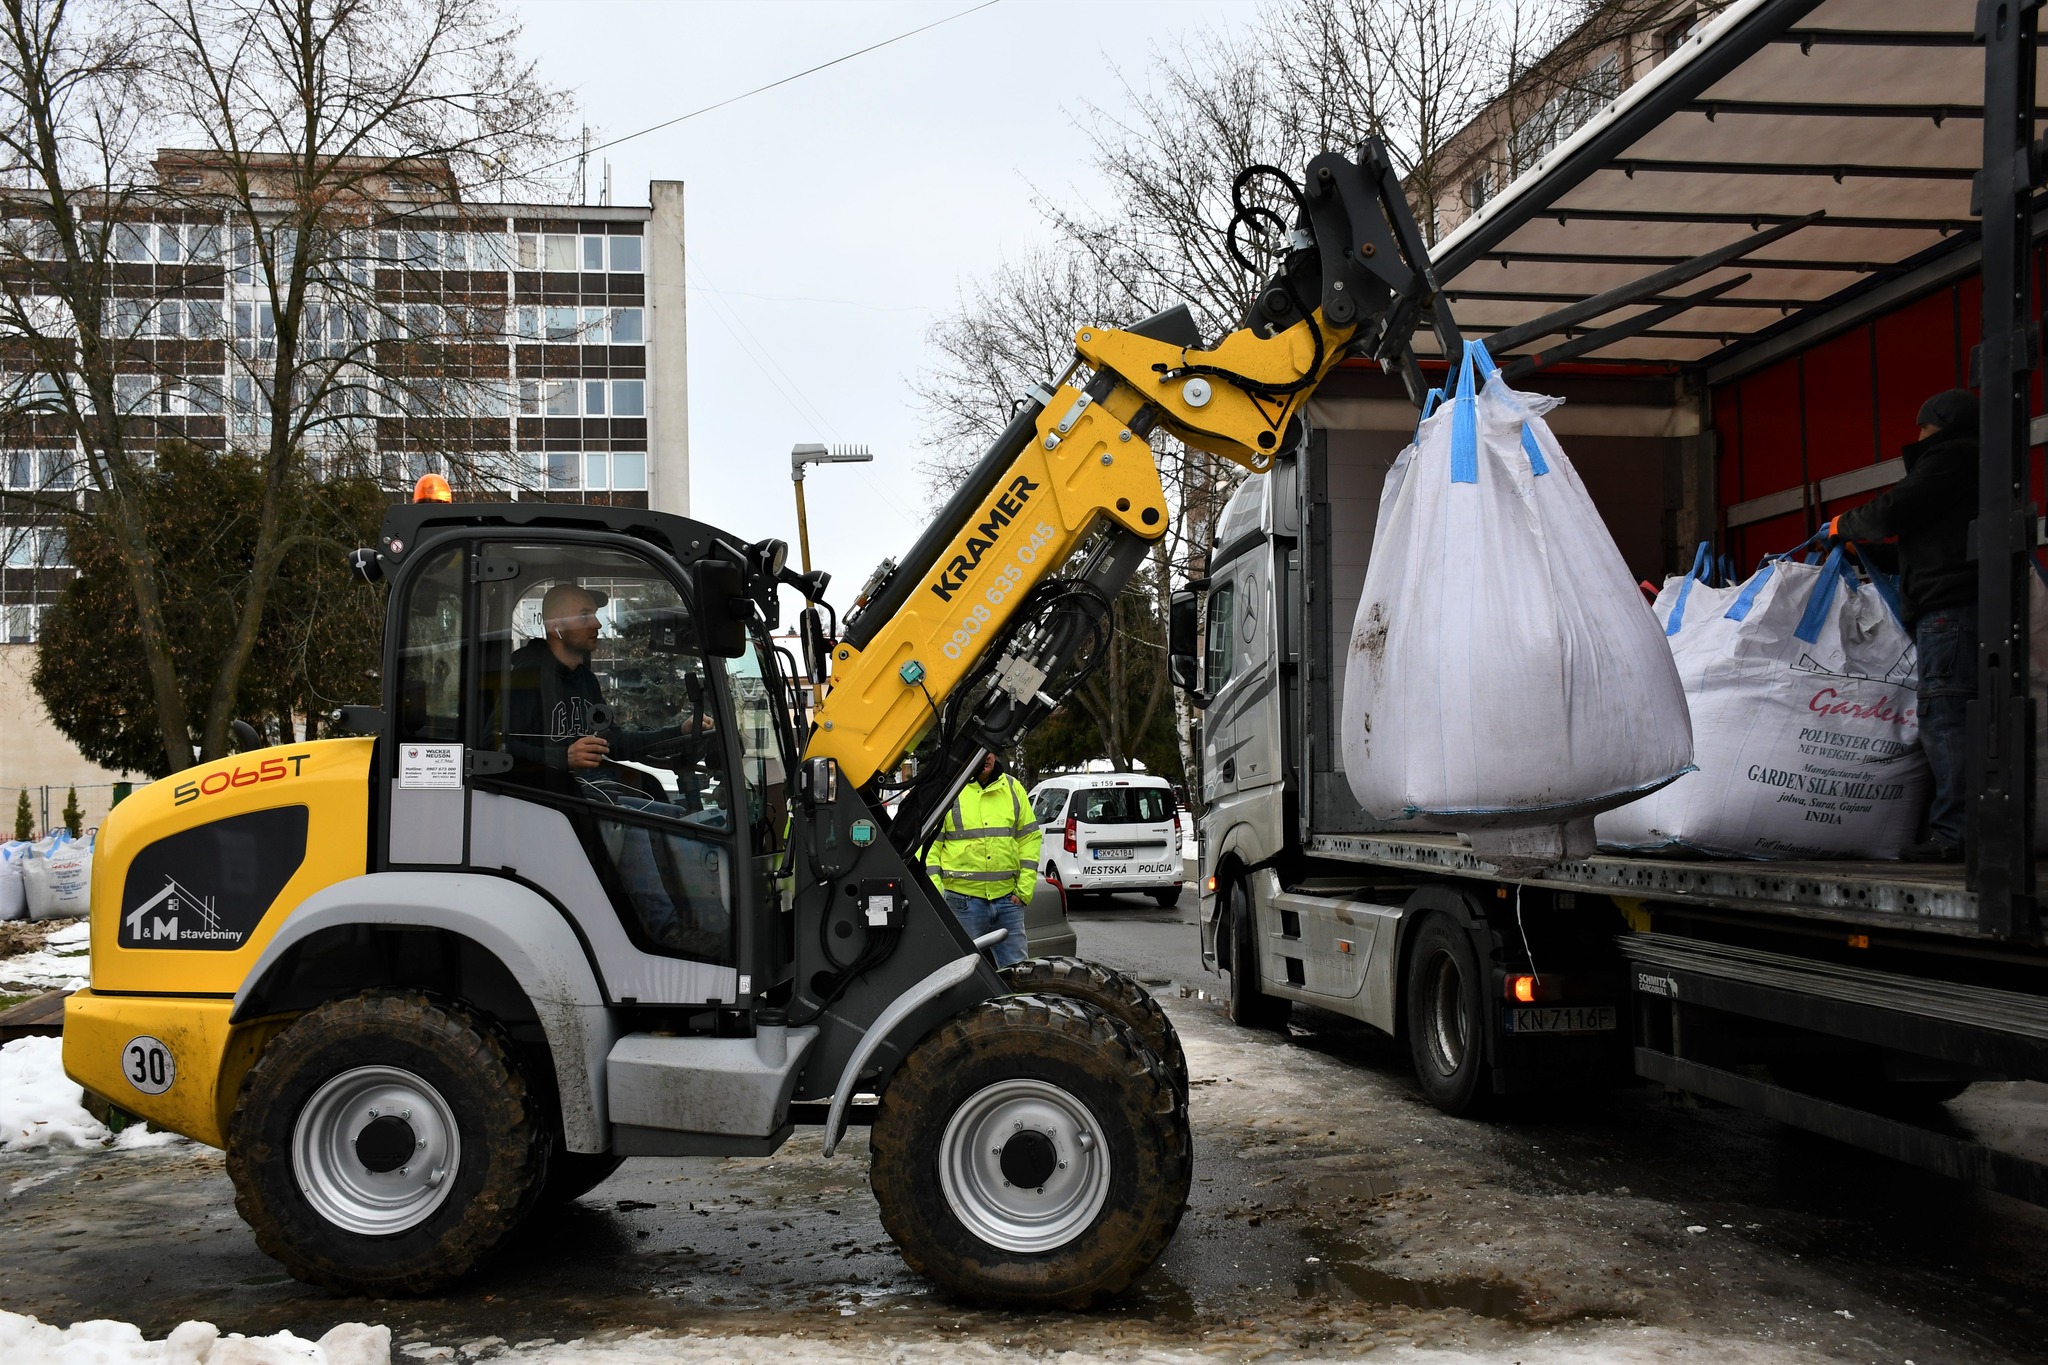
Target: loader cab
568 705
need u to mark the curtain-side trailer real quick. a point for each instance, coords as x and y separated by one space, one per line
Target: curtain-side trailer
1848 998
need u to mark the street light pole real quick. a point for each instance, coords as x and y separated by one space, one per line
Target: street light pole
812 453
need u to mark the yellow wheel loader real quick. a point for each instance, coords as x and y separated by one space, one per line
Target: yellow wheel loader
590 884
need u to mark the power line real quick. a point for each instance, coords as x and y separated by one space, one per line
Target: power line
761 89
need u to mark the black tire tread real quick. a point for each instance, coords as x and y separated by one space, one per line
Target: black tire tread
510 1193
903 1141
1247 1005
1118 992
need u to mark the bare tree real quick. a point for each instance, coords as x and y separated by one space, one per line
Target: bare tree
331 139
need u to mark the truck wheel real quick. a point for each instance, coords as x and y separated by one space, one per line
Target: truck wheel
571 1175
1446 1018
1249 1006
1109 990
1031 1153
384 1144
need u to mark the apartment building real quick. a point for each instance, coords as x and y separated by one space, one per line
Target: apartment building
525 351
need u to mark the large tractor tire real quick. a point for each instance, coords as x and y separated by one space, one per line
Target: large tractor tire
1105 988
1031 1153
384 1144
1447 1018
1249 1007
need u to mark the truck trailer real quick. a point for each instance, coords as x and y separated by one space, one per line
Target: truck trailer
1804 182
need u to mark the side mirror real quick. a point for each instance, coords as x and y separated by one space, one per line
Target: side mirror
722 607
817 649
1183 643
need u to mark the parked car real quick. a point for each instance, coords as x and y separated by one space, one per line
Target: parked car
1108 832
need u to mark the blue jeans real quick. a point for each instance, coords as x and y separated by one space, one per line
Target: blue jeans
979 917
1946 639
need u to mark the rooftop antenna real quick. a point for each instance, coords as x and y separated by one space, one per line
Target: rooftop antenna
604 194
583 168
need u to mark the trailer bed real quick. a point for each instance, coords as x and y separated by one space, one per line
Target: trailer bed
1928 897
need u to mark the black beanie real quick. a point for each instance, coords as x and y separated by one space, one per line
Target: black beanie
1952 410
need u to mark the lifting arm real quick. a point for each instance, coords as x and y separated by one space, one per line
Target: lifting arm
977 623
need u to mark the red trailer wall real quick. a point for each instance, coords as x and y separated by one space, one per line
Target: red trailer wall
1843 404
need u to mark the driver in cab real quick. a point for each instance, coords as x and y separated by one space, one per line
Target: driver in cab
556 713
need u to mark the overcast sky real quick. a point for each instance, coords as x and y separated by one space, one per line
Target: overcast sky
830 220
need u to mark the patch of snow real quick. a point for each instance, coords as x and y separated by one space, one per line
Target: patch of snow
29 1342
63 963
42 1107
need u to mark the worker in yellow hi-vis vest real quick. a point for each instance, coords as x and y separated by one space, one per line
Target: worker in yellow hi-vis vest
985 858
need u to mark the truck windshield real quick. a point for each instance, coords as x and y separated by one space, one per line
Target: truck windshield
1124 806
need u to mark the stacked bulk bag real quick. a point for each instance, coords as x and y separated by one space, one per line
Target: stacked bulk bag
57 879
13 895
1805 719
1506 678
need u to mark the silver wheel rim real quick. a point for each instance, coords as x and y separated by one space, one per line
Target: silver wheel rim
1449 1030
1002 1119
346 1129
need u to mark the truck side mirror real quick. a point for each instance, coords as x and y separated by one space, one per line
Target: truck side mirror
722 607
1182 644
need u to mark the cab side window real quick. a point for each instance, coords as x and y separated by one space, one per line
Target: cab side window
593 684
1222 660
430 654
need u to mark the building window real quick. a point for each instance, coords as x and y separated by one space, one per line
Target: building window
562 324
562 469
204 241
558 252
593 397
35 548
629 471
19 623
203 394
202 319
629 398
169 249
1679 33
627 326
131 393
596 327
131 241
559 396
593 253
595 476
528 324
17 469
1478 190
626 254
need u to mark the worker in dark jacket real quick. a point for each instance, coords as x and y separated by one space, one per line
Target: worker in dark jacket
1930 511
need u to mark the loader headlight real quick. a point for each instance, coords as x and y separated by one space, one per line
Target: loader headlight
768 557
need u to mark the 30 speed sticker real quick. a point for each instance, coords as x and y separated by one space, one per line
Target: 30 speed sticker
147 1064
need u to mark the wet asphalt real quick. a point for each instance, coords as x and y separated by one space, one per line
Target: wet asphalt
1332 1208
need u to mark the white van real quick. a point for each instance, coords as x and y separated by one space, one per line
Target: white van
1109 832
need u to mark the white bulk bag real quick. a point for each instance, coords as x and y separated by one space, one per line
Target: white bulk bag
1805 720
13 895
1505 672
59 881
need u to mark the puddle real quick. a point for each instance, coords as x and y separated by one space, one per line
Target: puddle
1484 1298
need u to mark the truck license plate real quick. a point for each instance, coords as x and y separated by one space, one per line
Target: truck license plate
1117 853
1562 1019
